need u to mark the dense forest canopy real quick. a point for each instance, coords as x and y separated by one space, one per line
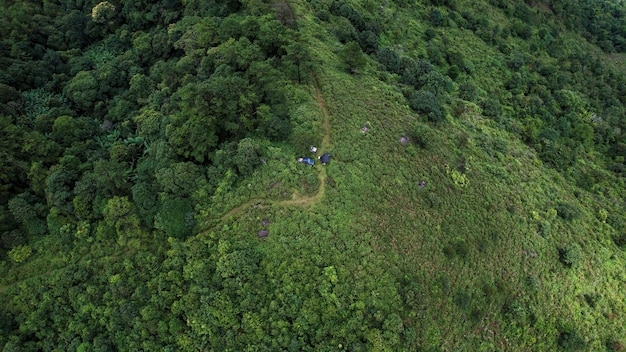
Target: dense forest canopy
146 143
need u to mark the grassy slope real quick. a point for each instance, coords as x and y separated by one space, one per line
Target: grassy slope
376 210
465 252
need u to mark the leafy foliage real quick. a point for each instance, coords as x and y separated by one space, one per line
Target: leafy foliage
425 102
150 197
570 255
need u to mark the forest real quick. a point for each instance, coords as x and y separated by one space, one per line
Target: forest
151 198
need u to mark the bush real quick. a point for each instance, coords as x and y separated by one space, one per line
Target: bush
433 200
456 248
468 91
20 254
567 211
425 102
413 71
352 55
390 59
620 240
545 229
571 340
423 136
463 300
368 42
491 107
429 34
570 255
615 345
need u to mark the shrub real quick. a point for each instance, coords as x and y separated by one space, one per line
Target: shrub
615 345
456 248
436 17
515 311
368 42
592 299
434 201
468 91
390 59
620 240
545 229
567 211
353 57
429 34
423 136
491 107
570 255
454 71
463 300
20 254
425 102
570 340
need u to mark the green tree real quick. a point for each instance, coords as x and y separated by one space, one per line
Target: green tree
103 12
425 102
272 37
141 87
112 177
299 55
20 254
67 130
83 89
120 214
145 199
29 211
353 57
86 194
149 123
180 179
248 156
192 135
570 255
436 82
344 30
414 70
390 59
175 217
14 163
368 41
60 183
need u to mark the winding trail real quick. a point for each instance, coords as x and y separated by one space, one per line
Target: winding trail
297 199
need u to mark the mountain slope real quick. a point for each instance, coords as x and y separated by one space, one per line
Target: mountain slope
467 204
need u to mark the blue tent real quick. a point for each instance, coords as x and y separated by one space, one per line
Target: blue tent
306 161
325 158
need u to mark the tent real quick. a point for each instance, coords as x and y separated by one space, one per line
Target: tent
306 161
325 158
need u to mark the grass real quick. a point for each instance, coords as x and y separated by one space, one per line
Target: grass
474 251
468 262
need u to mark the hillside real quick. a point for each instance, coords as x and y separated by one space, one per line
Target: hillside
474 200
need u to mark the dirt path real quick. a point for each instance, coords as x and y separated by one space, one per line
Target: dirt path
297 199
